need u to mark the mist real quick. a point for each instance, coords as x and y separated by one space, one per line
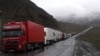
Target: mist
65 10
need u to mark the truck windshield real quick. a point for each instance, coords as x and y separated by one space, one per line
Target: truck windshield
9 33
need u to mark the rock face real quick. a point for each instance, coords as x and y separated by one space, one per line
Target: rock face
19 10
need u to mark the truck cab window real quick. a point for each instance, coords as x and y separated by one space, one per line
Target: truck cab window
8 33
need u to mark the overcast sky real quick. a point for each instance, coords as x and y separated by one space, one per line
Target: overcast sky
63 8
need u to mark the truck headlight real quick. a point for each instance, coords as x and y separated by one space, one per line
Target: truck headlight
19 46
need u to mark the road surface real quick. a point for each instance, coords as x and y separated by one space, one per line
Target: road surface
62 48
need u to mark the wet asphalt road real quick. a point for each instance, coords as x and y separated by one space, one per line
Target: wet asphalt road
29 53
57 49
62 48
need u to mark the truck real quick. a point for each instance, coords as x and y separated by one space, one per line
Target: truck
52 35
23 35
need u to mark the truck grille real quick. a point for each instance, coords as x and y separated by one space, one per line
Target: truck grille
11 44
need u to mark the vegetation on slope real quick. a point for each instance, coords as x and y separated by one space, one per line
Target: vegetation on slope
92 36
70 27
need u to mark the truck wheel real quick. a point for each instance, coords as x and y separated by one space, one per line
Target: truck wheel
32 47
48 42
41 45
25 48
52 41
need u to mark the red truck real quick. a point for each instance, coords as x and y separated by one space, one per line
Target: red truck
24 35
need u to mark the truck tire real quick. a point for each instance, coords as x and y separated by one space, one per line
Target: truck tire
41 45
48 42
25 48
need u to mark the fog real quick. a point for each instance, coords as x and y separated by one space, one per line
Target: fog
63 9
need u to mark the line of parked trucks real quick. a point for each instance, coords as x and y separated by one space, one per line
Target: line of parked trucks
26 35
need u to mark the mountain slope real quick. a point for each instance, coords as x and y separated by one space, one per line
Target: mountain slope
20 10
95 22
70 27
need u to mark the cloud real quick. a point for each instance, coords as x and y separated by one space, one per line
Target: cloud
65 8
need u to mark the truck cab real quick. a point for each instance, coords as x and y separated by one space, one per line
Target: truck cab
13 36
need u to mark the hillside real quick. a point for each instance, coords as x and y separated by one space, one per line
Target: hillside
93 37
70 27
95 22
20 10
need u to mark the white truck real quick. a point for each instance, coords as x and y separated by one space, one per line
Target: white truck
52 35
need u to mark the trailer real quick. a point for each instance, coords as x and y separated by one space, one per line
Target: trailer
52 35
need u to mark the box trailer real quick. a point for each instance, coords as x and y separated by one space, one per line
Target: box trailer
52 35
